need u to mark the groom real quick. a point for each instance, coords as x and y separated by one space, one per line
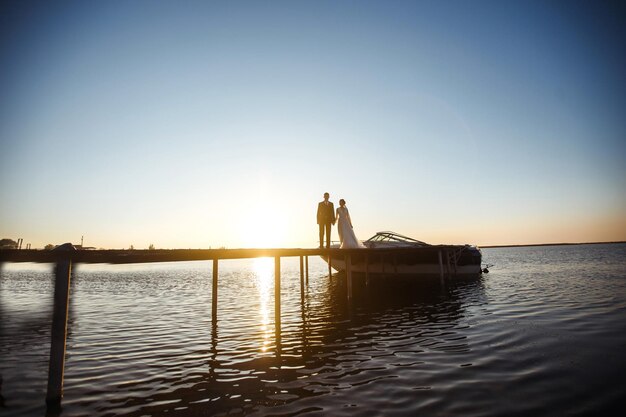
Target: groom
325 219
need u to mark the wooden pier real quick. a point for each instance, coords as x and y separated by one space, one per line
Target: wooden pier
66 255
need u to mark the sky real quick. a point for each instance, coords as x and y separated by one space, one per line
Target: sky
222 123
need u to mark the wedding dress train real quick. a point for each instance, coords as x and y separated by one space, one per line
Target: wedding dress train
346 233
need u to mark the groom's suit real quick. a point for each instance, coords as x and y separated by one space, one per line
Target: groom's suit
325 219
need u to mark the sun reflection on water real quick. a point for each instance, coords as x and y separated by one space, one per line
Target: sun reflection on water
264 273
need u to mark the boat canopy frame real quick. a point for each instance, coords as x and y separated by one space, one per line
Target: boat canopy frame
395 237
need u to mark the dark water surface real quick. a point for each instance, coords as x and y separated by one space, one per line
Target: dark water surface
543 334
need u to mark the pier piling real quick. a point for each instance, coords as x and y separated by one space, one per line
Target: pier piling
330 271
348 260
306 261
214 292
59 333
301 278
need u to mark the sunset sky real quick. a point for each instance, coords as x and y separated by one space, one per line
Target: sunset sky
206 124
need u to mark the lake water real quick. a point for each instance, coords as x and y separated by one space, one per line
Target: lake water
543 334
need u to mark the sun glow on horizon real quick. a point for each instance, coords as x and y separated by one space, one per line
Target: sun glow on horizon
262 226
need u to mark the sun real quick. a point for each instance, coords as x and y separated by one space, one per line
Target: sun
262 226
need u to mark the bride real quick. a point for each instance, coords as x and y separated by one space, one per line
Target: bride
344 227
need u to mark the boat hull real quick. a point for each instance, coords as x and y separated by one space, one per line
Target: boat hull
455 261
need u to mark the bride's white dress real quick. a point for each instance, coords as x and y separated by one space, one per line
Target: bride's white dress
346 233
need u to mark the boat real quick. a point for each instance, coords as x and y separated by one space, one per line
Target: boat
391 253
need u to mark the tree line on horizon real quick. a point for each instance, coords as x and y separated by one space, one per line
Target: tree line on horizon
7 243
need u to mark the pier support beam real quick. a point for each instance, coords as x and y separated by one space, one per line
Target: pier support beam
214 292
330 271
59 333
306 262
302 278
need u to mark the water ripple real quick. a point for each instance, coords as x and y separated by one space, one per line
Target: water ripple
544 333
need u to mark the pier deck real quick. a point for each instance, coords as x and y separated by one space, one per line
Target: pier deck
113 256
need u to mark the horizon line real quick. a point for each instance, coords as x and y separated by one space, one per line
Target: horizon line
246 248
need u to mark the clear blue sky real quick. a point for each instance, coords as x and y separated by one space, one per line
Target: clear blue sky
197 124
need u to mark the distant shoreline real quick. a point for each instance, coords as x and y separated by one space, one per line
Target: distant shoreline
551 244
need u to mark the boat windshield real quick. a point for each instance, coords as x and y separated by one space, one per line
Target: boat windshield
394 237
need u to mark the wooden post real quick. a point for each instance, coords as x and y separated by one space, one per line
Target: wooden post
440 267
330 271
277 296
348 260
302 278
306 261
214 292
59 333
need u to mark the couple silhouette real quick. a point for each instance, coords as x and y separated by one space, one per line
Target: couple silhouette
327 217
